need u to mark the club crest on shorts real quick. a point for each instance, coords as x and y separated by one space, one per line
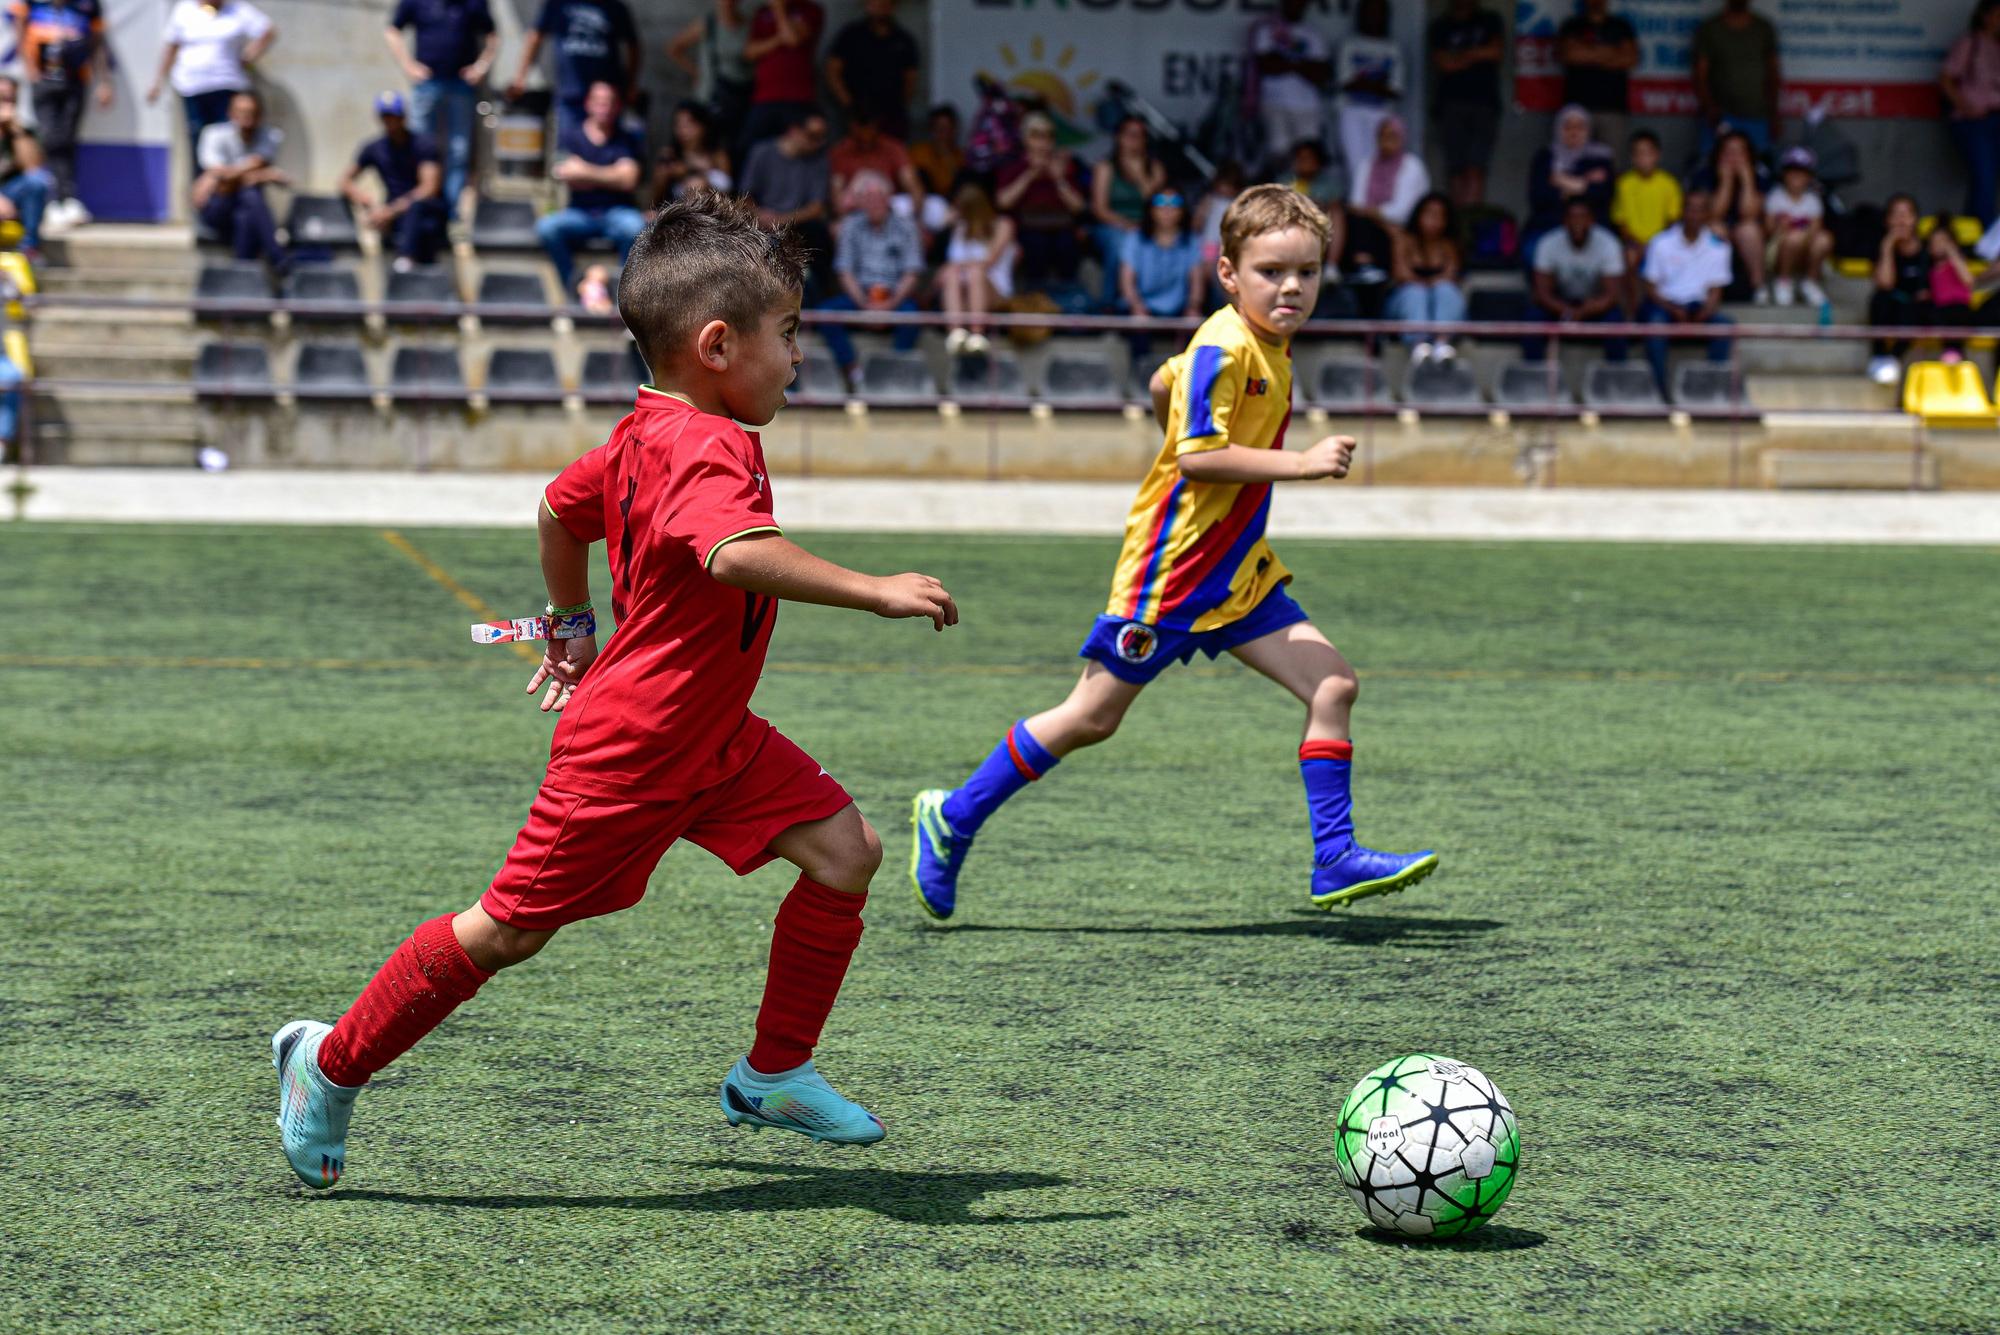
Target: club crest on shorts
1136 642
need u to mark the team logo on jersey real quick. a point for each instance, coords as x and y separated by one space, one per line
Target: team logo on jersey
1136 642
1256 387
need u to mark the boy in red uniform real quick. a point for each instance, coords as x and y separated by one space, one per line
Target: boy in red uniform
656 741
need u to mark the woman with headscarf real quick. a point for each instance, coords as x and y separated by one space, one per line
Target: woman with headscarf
1574 164
1380 198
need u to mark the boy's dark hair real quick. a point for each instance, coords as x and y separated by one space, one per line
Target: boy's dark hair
704 258
1643 137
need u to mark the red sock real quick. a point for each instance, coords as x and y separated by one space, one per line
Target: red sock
424 981
811 942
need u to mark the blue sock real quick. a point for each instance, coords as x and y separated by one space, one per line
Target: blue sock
1018 761
1325 767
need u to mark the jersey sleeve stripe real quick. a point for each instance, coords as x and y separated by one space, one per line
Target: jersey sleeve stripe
724 542
1204 370
1143 591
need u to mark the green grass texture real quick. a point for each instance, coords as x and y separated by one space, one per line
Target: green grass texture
1717 912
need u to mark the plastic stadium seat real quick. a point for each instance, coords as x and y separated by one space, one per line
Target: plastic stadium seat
897 377
1441 384
230 370
330 370
420 372
1496 306
1705 385
514 289
1621 385
613 375
1344 386
321 220
1944 395
430 287
504 224
1528 384
323 286
819 378
1080 380
523 374
232 282
991 377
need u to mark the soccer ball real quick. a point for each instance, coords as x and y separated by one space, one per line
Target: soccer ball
1428 1146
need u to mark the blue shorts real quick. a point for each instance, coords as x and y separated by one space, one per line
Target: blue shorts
1136 652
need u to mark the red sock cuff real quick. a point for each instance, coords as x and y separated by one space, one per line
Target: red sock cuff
1326 750
443 960
810 895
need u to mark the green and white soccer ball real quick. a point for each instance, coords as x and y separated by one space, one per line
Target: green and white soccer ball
1428 1147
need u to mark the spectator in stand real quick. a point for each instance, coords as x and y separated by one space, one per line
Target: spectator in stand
1575 165
1120 185
1598 52
1950 283
599 162
1160 273
1686 270
693 160
1044 193
1425 272
10 402
1645 202
710 52
1736 183
978 271
1368 71
865 148
411 211
1380 198
938 158
1223 189
784 73
206 53
1579 277
1315 177
1736 76
878 263
789 180
1466 46
63 52
595 42
1902 296
238 158
1292 68
25 185
871 68
1799 240
455 47
1971 81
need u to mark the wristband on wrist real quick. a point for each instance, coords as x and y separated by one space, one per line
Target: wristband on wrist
551 610
573 626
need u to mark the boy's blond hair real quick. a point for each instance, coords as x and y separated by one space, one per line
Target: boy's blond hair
1269 208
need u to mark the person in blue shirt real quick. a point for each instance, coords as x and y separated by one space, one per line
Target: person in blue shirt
595 41
1160 270
411 210
599 162
455 43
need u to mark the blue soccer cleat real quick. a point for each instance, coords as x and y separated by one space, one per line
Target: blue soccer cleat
312 1110
1360 872
799 1100
936 853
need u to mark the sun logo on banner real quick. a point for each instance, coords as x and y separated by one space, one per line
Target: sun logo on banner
1052 82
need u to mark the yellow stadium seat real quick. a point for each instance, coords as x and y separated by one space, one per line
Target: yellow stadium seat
11 233
1854 268
1948 396
16 343
17 271
1966 231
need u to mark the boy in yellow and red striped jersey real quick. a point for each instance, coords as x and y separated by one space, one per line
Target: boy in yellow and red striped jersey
1196 573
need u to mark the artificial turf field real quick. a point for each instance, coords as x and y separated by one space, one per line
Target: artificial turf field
1717 913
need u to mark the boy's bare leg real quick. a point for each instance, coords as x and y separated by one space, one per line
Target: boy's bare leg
492 944
1091 714
1304 662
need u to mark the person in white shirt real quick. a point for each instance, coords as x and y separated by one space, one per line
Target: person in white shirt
1369 72
1686 269
1292 69
1794 220
1390 180
208 48
238 158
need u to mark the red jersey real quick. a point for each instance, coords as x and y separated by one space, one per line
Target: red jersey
664 711
787 73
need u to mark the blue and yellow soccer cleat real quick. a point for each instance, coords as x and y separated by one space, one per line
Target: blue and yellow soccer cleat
312 1110
1360 872
936 853
799 1100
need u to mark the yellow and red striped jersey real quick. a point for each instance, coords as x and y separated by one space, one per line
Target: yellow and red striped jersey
1195 556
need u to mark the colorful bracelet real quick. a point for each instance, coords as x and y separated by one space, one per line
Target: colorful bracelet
572 626
551 610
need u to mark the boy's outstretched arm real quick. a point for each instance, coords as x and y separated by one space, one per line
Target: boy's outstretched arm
770 564
566 573
1327 457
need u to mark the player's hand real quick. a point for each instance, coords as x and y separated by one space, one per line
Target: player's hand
562 667
914 595
1327 457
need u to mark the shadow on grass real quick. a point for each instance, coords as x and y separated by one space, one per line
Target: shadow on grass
1351 928
1491 1238
911 1198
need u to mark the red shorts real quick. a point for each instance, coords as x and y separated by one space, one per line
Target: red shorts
581 857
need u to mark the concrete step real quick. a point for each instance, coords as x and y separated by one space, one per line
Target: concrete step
1839 433
94 280
87 411
146 364
74 328
124 245
1780 392
1869 470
